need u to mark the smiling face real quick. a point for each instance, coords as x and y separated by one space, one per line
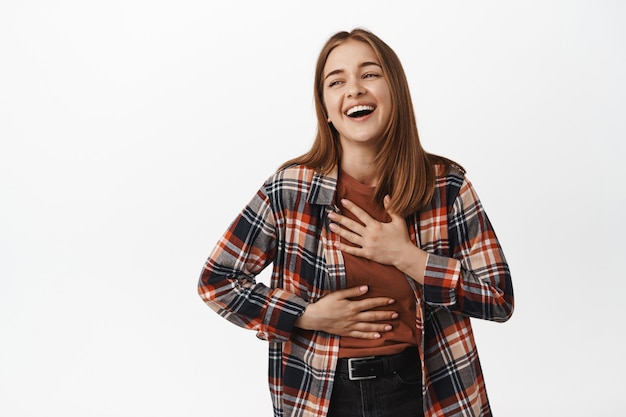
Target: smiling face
356 94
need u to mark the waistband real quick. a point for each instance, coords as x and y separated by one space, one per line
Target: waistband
378 366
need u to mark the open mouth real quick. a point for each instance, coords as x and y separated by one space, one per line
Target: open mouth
359 111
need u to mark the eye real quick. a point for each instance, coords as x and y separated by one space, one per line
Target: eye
371 75
334 83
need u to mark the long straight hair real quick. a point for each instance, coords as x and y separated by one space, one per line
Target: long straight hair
406 172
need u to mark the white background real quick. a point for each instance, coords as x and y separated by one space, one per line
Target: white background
132 133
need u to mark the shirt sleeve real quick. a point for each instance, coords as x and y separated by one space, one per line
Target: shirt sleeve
476 280
227 282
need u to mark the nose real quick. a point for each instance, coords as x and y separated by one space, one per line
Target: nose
355 89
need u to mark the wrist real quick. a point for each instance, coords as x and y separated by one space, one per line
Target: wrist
412 262
304 321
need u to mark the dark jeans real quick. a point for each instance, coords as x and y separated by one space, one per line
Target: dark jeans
396 395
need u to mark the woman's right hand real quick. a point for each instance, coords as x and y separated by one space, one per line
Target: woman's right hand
335 313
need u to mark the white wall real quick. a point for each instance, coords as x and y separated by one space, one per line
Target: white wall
132 132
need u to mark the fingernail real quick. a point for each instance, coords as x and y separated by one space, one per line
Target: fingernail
376 336
388 328
391 301
394 316
363 288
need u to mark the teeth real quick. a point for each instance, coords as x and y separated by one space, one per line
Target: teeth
355 109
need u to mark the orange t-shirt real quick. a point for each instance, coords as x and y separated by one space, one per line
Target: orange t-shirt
382 280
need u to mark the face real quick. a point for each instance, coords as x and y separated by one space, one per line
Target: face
356 94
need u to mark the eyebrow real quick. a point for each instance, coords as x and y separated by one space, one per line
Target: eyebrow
363 65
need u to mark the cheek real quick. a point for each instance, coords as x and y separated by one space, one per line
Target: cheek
388 102
331 104
385 93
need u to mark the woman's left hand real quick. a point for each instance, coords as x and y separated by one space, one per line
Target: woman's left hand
377 241
385 243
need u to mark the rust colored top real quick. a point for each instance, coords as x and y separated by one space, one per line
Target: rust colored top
382 280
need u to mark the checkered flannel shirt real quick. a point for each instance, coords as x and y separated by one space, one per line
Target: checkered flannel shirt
286 225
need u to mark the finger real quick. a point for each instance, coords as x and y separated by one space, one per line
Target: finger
358 212
364 335
350 250
386 203
369 331
350 292
346 234
347 223
376 316
371 327
370 303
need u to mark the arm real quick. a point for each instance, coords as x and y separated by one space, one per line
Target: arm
476 280
335 313
227 282
385 243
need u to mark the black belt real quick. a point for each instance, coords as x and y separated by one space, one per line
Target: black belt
377 366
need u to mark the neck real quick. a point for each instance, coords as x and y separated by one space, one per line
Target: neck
360 166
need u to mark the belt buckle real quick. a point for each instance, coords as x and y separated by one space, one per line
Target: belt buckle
350 369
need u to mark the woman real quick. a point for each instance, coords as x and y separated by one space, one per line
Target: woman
381 253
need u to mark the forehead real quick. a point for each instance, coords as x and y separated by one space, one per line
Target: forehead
349 54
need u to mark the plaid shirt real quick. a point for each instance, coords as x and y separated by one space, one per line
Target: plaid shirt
286 224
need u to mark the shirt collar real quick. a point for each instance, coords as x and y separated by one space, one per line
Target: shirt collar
323 188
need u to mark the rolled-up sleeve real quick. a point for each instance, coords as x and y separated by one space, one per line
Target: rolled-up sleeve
227 282
475 280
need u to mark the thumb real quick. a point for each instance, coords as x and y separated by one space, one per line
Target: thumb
386 203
